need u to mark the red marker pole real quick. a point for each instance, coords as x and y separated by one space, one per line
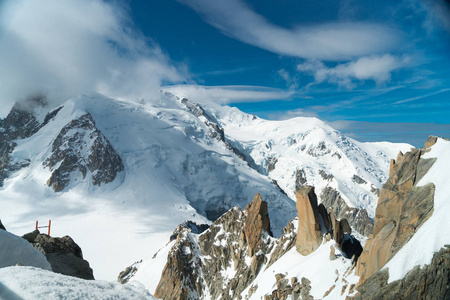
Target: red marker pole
49 224
37 224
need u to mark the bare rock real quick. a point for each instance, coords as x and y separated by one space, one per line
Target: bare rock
358 219
257 221
80 147
431 141
332 253
402 208
64 255
309 233
430 282
31 236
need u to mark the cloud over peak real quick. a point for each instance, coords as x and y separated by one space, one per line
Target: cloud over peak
64 48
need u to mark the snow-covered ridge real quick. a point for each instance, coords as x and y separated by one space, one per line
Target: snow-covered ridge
303 150
180 162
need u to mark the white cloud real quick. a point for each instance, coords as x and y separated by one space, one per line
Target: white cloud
64 48
332 41
376 68
227 94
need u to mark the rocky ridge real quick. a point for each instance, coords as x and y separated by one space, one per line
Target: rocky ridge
224 260
402 208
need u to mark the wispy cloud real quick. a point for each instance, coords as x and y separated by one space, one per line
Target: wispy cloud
423 96
63 48
376 68
334 41
227 94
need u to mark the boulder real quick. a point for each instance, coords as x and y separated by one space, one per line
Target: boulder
64 255
430 141
257 221
309 233
402 208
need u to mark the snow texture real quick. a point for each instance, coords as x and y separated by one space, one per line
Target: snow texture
33 283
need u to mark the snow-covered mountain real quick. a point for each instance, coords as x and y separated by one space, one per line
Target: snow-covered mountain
119 176
407 257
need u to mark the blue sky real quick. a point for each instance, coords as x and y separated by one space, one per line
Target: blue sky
385 62
376 70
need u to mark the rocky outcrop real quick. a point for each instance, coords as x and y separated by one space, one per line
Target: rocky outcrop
63 254
358 218
431 141
20 123
290 289
402 208
309 234
81 147
238 243
429 282
257 222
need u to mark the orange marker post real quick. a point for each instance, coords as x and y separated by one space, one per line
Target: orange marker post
49 224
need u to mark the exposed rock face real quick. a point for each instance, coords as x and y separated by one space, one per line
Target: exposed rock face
357 218
358 179
19 124
63 254
309 234
430 282
237 243
81 147
402 208
257 221
430 141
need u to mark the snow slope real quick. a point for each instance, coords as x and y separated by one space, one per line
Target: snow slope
324 156
177 169
15 250
174 171
435 232
33 283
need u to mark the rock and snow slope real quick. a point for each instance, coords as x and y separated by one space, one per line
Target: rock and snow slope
180 161
219 263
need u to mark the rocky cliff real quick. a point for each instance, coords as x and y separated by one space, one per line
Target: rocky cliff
81 147
224 261
402 208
